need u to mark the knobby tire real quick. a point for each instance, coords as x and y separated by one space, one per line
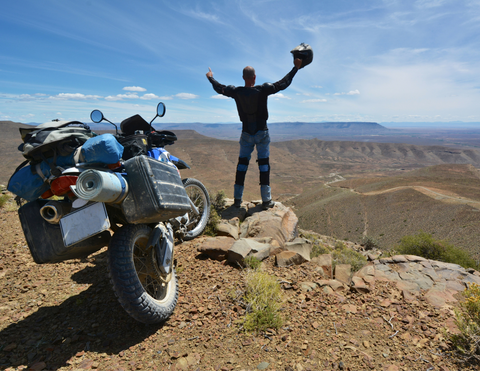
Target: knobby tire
137 287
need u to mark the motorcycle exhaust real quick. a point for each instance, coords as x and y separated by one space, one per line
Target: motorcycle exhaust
53 211
100 186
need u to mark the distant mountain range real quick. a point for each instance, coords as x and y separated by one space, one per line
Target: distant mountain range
285 130
455 135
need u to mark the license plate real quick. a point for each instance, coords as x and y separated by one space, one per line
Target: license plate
84 223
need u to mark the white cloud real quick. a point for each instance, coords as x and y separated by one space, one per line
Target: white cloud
186 96
351 92
74 96
210 18
121 97
128 96
319 100
280 95
134 88
111 98
219 96
150 96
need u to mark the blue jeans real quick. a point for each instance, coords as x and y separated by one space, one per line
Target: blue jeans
261 140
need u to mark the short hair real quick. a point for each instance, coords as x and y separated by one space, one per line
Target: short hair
248 72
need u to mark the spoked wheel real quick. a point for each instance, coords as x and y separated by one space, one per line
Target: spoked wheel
197 222
142 293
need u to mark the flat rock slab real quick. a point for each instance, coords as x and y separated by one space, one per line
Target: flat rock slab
415 275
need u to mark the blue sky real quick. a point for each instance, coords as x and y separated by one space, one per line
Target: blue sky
382 61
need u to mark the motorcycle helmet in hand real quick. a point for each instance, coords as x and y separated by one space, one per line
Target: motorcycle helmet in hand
303 52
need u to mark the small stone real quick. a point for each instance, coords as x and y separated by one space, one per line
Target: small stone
10 347
263 365
38 366
85 364
390 368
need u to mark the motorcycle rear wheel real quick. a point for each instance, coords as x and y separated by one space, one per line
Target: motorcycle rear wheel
197 192
137 286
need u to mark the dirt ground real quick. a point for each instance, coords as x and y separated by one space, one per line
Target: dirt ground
65 317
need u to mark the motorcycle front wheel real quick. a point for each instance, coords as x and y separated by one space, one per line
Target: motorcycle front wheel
139 289
198 194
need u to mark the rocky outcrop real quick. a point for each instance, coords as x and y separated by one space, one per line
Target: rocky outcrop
254 232
259 233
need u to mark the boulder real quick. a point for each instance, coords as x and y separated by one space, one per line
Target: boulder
244 247
343 273
324 261
228 228
335 285
359 285
287 258
300 246
232 212
280 223
216 247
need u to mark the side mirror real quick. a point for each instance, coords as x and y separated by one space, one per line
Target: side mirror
161 109
96 116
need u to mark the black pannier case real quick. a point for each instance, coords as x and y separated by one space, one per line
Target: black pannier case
45 240
156 192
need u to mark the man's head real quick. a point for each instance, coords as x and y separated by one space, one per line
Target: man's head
249 75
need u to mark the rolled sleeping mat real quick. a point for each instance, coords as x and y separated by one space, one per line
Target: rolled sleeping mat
100 186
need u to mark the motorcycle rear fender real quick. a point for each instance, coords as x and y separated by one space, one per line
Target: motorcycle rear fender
161 239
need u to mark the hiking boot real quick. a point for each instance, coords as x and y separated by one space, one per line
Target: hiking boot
268 204
237 202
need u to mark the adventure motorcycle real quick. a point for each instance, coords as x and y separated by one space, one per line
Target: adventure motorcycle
141 198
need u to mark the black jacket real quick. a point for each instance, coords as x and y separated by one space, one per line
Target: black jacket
252 102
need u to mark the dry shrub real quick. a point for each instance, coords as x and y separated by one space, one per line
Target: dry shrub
467 343
344 255
263 296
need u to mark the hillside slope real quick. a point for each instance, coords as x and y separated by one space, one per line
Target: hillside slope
388 208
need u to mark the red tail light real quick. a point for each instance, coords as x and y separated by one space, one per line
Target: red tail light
61 185
47 194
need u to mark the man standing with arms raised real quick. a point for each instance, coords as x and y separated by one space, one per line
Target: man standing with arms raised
251 103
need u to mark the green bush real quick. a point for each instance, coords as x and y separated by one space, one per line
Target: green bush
348 256
263 296
252 262
423 244
339 245
211 228
369 243
319 249
218 200
467 343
